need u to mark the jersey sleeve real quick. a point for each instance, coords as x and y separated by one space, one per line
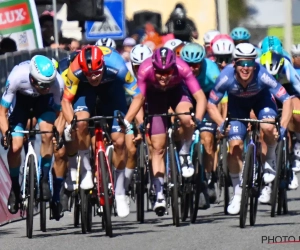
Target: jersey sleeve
58 92
292 75
219 90
11 88
129 81
225 98
190 80
274 87
212 73
142 77
71 81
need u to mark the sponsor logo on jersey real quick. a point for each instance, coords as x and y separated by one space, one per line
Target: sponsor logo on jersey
212 95
105 50
268 80
113 70
221 82
281 92
129 78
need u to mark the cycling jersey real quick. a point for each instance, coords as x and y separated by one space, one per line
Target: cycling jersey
288 75
115 70
18 81
181 74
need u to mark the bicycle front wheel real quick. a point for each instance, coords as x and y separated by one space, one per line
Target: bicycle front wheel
140 185
105 192
31 186
247 184
86 211
43 216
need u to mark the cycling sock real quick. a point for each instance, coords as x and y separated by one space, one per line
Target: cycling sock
158 183
14 172
85 159
57 182
235 179
270 155
297 136
119 182
128 177
45 166
185 148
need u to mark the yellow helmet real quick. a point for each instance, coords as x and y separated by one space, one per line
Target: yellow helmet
273 62
55 63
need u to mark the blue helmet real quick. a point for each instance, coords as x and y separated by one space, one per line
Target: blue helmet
240 33
272 43
42 71
192 53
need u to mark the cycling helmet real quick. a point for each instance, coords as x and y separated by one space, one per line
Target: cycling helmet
210 35
295 50
108 42
139 53
273 62
244 51
42 71
91 59
271 43
176 45
223 47
240 34
163 58
192 53
55 63
220 36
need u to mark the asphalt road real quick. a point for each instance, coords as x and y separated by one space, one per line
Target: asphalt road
213 230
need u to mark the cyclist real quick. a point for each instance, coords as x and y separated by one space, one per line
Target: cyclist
99 72
176 45
160 80
108 42
31 84
249 86
222 50
206 72
273 43
278 66
207 38
296 57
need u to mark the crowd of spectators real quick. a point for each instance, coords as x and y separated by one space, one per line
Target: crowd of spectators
178 26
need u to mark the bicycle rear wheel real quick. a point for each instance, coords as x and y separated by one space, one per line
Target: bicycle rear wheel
247 184
197 180
225 174
104 190
275 186
43 216
30 189
185 200
140 185
86 211
174 188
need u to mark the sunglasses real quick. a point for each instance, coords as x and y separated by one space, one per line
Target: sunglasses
221 59
195 65
96 73
245 63
164 72
42 85
136 68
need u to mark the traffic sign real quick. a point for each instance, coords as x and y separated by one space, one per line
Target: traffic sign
114 24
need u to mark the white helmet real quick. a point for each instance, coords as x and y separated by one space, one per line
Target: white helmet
140 53
43 71
108 42
244 51
295 50
210 35
173 44
223 47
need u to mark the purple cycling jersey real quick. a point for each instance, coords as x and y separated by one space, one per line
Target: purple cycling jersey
182 74
262 80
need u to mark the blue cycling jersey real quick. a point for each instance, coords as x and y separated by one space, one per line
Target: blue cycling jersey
261 80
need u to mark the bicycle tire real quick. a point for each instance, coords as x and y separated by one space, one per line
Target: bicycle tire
247 184
184 201
76 213
84 210
255 193
225 175
140 185
174 188
196 182
43 216
276 181
104 187
30 202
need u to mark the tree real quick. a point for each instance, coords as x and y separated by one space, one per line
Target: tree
238 10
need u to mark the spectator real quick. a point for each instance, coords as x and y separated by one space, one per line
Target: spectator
47 28
8 45
128 44
180 25
74 44
152 38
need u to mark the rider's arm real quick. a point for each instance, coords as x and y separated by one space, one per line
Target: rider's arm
201 104
224 106
292 75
